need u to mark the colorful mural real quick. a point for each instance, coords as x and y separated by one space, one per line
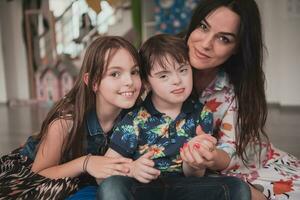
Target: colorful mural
173 16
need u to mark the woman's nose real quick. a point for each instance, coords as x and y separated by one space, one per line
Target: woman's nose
207 42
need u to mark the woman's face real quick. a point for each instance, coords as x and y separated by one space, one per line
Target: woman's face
214 40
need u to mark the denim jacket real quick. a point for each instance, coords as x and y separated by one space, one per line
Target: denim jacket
95 142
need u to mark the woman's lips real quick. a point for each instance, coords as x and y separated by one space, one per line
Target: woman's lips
201 55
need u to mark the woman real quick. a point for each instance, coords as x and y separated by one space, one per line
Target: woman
226 51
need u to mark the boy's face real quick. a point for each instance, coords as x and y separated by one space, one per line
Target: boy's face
171 84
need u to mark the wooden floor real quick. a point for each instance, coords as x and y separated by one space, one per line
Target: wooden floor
18 122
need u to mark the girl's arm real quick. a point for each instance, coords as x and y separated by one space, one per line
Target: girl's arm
48 156
47 161
141 169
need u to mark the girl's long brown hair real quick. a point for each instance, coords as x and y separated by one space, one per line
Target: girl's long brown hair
81 98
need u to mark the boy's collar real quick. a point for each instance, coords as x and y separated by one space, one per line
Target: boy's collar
187 106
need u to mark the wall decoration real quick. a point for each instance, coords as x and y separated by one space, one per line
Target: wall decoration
173 16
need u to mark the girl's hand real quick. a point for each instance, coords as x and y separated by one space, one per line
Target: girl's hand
143 169
102 167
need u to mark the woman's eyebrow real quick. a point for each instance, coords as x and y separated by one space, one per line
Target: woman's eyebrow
223 33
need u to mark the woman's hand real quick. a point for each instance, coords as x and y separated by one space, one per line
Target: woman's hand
199 152
102 167
143 169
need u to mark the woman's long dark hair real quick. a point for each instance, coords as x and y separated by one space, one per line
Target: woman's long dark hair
81 98
244 69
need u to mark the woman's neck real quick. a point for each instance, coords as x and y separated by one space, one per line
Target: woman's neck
202 78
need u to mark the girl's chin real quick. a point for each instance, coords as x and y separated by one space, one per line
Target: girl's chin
126 105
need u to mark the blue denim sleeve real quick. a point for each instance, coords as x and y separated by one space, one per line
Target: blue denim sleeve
29 148
124 139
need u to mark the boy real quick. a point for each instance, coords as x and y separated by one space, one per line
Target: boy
153 133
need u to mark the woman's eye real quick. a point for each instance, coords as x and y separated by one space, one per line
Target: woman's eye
203 27
224 39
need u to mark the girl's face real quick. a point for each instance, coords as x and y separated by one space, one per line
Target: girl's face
214 40
121 84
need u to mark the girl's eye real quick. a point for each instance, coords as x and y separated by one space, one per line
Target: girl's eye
115 74
135 72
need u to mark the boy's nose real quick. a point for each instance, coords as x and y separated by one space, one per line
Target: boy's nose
176 79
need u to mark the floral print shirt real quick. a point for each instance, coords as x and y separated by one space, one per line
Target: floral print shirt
276 171
146 129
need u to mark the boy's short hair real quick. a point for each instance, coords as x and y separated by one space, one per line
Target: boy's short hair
157 48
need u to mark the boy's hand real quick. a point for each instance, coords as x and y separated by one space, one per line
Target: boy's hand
143 169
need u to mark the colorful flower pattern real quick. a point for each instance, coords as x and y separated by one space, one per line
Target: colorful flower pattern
146 129
278 172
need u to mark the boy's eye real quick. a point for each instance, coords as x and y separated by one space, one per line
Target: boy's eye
183 70
162 76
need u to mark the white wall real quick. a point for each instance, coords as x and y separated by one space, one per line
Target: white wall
282 65
282 37
123 23
13 50
3 97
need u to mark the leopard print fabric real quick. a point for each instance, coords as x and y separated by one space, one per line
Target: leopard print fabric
17 181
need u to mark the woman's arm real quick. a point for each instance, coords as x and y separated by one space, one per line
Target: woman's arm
225 155
201 153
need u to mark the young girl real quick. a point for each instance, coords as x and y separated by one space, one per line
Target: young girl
69 149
